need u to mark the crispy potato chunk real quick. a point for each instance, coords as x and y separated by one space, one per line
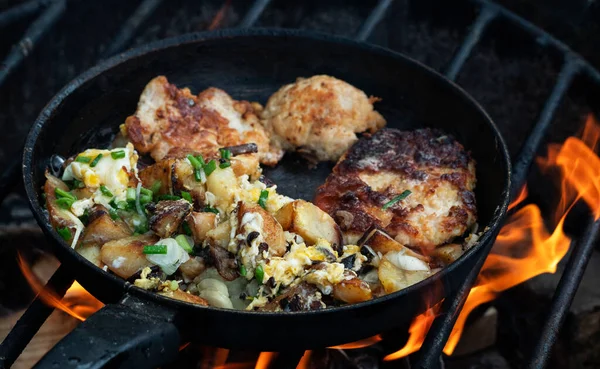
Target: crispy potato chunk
100 230
125 256
379 241
352 291
448 253
201 224
58 217
223 184
310 222
192 268
272 231
184 296
394 279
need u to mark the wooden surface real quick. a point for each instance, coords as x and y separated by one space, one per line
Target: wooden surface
55 328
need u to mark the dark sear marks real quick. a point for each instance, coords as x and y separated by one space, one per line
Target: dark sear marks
432 171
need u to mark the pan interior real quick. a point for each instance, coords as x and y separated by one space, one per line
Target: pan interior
252 67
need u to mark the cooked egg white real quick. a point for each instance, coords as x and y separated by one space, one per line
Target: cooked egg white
112 173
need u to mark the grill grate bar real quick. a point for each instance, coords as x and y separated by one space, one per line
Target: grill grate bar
570 69
32 319
431 349
373 20
133 23
487 14
35 31
21 11
254 13
563 297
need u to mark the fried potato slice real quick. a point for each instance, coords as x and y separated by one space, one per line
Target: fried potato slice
310 222
125 256
272 231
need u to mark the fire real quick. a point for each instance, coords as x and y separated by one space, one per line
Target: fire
216 22
77 302
265 359
524 248
358 344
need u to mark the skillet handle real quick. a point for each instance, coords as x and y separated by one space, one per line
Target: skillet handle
130 334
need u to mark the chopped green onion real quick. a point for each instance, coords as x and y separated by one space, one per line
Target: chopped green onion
122 205
262 199
195 163
65 233
144 199
118 154
201 160
105 191
168 197
155 249
243 271
225 154
85 217
141 228
400 197
183 242
156 187
96 160
186 228
78 184
64 194
259 273
114 215
186 195
210 167
65 203
83 159
224 165
145 191
198 175
208 209
131 194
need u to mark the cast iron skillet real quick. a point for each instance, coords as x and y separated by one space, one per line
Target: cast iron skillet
146 328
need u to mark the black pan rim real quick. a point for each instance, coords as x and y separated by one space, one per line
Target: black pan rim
47 112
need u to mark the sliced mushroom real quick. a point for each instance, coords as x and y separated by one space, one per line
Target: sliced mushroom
224 262
302 297
168 216
59 217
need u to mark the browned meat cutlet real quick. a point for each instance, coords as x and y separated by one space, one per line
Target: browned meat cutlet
433 166
169 119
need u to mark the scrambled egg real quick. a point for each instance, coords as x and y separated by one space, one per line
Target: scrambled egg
108 171
250 192
285 270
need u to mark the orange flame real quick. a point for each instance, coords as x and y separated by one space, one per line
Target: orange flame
524 248
358 344
216 22
265 359
77 302
305 361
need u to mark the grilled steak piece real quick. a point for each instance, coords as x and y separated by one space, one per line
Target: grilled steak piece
429 174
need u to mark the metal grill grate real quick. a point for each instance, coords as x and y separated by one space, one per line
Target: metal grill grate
429 355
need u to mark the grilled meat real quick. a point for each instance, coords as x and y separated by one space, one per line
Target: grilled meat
320 116
171 118
434 167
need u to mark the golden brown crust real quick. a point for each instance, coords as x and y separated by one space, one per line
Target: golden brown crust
168 118
437 170
320 116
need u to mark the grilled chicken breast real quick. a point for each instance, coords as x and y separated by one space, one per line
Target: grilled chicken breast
434 167
170 118
320 116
